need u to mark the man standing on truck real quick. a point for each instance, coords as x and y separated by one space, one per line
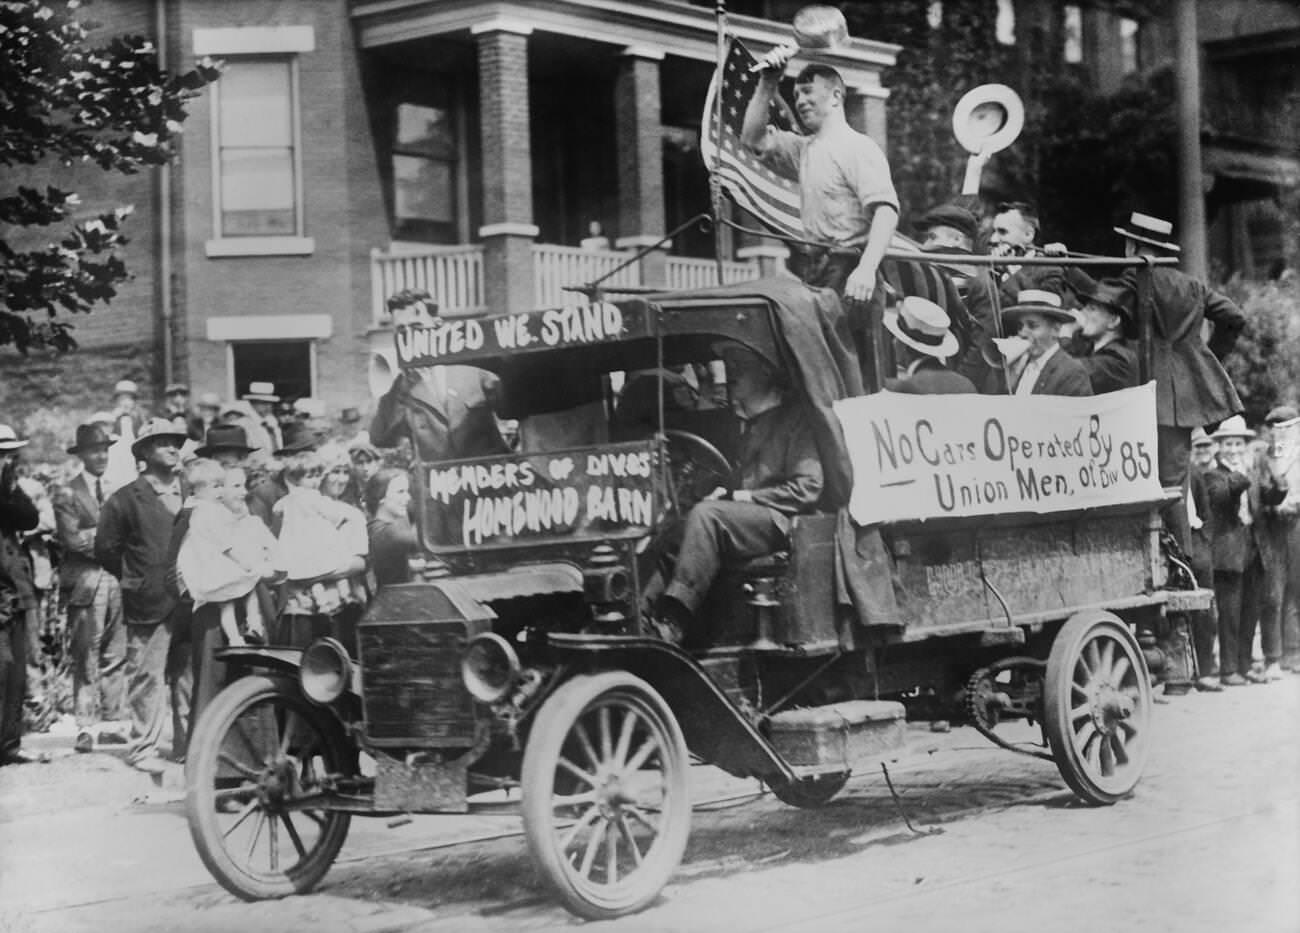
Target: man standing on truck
1192 388
848 198
778 475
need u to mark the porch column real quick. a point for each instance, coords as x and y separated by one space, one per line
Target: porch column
639 143
865 111
508 230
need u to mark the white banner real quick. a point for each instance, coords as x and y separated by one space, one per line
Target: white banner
937 456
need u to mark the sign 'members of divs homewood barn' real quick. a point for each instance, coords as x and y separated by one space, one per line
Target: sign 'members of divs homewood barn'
939 456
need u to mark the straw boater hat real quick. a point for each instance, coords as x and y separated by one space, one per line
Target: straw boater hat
155 429
923 326
1036 301
88 436
126 387
9 440
176 388
225 437
209 400
1145 229
1281 415
261 392
1233 427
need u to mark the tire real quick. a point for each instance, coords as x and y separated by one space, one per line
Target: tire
811 792
259 747
606 830
1097 707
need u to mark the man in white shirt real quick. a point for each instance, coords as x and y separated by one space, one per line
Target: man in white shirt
1037 317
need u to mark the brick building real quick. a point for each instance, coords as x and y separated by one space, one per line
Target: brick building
353 148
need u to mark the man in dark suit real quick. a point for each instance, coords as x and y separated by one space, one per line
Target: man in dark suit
446 411
90 592
131 542
17 598
1015 233
1235 503
1192 388
1106 323
778 475
1204 622
923 344
1044 368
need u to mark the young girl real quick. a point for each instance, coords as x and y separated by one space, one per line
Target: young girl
322 549
224 555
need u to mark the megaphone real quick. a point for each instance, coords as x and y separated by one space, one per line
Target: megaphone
986 120
816 28
381 372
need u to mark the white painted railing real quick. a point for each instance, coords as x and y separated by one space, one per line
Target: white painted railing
453 275
684 272
554 267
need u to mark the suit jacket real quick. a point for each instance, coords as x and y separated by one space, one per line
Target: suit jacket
132 542
1062 374
1269 529
1067 281
76 514
930 377
1192 388
1114 366
17 514
442 427
1231 544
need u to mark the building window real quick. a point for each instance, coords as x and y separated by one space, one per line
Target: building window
1073 34
288 364
258 178
1128 44
1006 22
425 159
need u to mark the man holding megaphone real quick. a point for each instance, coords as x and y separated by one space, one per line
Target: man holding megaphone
848 198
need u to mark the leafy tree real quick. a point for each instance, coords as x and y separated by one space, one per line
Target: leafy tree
62 98
1265 363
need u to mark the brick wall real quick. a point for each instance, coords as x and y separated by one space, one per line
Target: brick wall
507 166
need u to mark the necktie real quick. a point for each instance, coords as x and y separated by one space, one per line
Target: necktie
99 491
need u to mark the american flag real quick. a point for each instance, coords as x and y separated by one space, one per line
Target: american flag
772 199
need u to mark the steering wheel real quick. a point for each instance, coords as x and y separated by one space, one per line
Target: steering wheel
696 468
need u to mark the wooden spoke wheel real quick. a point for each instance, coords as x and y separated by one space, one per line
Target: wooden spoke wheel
261 756
696 467
1098 707
811 792
606 801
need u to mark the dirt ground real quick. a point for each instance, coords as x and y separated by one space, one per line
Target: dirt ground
1210 841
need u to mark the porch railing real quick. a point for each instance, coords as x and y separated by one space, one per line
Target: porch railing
684 272
557 266
453 275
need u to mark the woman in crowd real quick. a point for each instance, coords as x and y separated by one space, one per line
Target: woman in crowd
322 550
392 538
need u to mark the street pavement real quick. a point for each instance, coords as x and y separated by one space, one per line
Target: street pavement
1210 841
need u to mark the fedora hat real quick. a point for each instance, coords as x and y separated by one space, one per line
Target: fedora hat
1145 229
154 429
1036 301
225 437
1113 295
1281 415
90 435
176 388
126 387
923 326
1233 427
9 440
1200 438
301 436
950 215
261 392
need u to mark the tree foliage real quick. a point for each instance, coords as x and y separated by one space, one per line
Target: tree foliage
110 106
1265 363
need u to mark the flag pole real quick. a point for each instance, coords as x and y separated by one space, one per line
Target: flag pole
715 178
